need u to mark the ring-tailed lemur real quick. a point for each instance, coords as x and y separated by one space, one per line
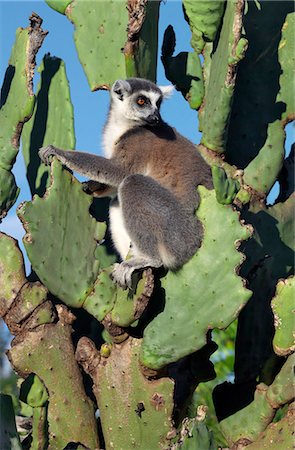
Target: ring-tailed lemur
152 173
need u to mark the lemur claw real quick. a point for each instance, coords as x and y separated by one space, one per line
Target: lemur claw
45 154
122 273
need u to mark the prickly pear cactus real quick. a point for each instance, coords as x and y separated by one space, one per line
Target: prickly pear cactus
144 358
17 104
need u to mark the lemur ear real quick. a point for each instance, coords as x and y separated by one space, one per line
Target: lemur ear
121 87
167 91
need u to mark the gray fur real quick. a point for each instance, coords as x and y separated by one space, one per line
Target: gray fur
154 171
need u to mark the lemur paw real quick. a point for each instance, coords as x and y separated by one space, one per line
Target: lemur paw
122 274
45 154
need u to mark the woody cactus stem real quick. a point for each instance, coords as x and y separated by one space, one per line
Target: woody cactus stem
141 47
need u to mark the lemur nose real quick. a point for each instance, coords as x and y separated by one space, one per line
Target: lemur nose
154 118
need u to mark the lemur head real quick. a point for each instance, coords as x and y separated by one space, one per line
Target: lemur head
139 100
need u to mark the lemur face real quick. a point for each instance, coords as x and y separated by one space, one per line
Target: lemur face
139 100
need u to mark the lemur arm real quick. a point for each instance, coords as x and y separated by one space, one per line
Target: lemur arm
94 167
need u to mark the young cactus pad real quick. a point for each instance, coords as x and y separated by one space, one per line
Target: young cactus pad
62 237
205 293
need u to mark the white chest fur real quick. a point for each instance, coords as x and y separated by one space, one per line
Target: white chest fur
114 129
112 133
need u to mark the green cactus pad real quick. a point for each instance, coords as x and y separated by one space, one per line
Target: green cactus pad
220 86
52 122
277 436
281 391
59 5
226 188
33 392
131 302
8 191
183 70
206 293
102 298
283 309
17 104
70 412
61 238
100 35
250 421
12 274
139 405
204 18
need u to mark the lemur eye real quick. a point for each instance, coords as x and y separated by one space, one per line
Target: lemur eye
141 101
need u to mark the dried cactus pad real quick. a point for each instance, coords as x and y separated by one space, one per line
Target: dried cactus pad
206 293
62 237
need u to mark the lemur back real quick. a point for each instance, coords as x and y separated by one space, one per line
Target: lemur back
163 154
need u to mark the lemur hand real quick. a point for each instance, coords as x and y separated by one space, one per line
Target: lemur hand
45 154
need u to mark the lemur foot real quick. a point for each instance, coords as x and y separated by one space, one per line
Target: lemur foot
45 154
122 274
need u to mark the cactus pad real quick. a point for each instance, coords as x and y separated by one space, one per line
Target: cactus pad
130 304
226 188
33 392
98 46
12 275
17 104
61 238
250 421
101 299
51 123
59 5
204 19
283 309
183 70
189 301
277 436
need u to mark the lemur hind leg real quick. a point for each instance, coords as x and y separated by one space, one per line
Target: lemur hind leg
162 232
